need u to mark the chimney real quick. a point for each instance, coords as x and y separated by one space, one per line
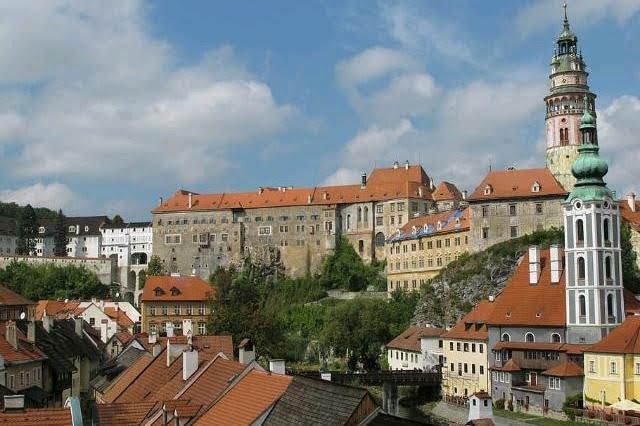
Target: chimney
116 306
153 338
13 403
78 325
363 181
31 331
168 352
420 191
47 322
260 190
432 185
187 326
534 264
406 165
10 334
631 200
161 200
246 351
277 366
395 165
309 199
556 263
169 327
464 194
156 349
189 364
325 195
492 298
104 331
101 304
190 200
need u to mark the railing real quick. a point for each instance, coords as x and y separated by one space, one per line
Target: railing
606 416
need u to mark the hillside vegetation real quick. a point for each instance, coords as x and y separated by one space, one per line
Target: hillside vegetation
472 277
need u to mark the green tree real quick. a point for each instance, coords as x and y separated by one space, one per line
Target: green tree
630 272
27 231
345 269
117 220
60 236
155 267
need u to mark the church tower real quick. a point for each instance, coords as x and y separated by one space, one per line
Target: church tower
594 292
564 105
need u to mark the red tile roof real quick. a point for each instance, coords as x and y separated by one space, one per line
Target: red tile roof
122 382
8 297
58 309
522 303
247 400
624 339
446 191
409 340
510 366
120 317
507 184
542 346
383 184
184 289
566 369
473 326
42 416
631 303
123 414
630 216
123 337
26 351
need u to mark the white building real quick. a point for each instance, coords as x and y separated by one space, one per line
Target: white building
83 236
131 245
417 348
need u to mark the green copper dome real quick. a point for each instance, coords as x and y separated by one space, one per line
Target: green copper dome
587 120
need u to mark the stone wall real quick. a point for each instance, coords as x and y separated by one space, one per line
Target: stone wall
104 268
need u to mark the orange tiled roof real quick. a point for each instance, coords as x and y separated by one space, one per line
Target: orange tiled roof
207 344
446 219
44 416
518 184
409 340
122 382
123 337
624 339
510 366
119 316
26 351
566 369
631 304
521 303
186 289
631 217
473 326
58 309
447 191
8 297
123 414
383 184
247 400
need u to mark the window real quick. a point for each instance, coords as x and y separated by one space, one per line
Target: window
264 230
473 347
173 239
637 369
529 337
379 208
92 321
401 206
485 233
610 308
582 304
439 244
506 337
607 268
555 338
554 383
201 309
202 328
613 368
605 231
458 346
466 347
153 328
224 237
512 209
514 231
592 367
581 268
482 369
580 232
450 346
379 221
379 241
152 310
12 382
176 309
481 348
189 310
539 209
164 309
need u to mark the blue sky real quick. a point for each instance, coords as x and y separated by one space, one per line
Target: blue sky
106 106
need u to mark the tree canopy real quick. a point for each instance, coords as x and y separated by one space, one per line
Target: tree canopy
60 236
27 231
630 272
346 269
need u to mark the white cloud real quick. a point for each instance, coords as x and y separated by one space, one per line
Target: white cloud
535 17
54 195
111 104
373 63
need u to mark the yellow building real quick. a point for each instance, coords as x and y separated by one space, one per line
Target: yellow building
169 300
612 366
425 245
466 354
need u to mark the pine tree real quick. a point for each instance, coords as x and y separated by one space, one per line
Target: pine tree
630 273
27 231
60 236
117 220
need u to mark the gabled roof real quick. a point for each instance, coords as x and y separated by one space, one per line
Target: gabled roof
119 316
631 303
247 400
509 366
123 414
513 183
26 351
624 339
158 288
446 191
42 416
473 326
122 382
58 309
409 340
11 298
321 403
566 369
522 303
383 184
123 337
433 224
630 216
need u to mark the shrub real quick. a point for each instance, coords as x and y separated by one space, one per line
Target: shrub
499 404
510 405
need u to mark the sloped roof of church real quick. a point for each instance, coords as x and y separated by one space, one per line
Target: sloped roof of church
514 183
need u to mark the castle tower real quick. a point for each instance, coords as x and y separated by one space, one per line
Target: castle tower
564 105
594 296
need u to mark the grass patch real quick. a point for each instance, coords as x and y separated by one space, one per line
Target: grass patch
530 418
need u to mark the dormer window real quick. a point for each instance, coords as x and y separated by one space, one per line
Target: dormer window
488 190
86 229
535 187
41 230
72 228
175 291
158 291
439 225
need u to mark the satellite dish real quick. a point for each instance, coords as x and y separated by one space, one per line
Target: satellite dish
22 315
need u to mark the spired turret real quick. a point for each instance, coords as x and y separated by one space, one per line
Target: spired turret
564 105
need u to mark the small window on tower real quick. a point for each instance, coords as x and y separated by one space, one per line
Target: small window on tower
488 190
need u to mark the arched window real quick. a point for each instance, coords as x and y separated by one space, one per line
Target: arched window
361 246
610 309
555 338
529 337
366 214
348 221
605 231
582 305
607 267
580 231
359 214
506 337
581 268
379 239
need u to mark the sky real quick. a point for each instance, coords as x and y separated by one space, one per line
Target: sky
107 106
